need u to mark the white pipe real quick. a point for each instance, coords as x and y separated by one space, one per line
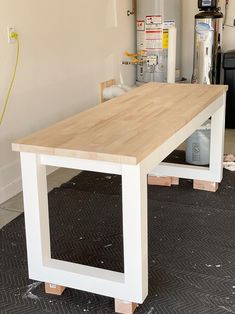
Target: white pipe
126 88
121 79
171 55
113 91
201 61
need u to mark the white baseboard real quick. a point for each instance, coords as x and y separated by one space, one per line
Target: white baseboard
10 180
10 190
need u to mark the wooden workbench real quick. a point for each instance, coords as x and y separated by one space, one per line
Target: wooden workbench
129 136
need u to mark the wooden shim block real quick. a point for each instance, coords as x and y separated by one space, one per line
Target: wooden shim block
53 289
205 185
125 307
175 181
164 181
104 85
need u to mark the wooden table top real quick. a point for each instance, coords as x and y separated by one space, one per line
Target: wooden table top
126 129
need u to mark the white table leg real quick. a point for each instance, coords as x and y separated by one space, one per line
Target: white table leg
216 151
204 177
217 142
36 212
131 286
135 230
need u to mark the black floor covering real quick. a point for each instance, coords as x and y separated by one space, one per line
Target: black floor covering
191 248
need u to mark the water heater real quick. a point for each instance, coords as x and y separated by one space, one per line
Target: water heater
154 18
207 43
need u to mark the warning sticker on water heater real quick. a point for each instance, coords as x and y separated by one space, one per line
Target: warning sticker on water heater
169 23
154 39
165 42
154 35
153 19
140 25
141 41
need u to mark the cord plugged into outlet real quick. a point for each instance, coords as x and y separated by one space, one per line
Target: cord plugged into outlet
12 35
13 38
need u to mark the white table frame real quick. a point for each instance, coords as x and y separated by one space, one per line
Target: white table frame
132 285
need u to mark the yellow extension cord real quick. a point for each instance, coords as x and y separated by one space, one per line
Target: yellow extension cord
14 36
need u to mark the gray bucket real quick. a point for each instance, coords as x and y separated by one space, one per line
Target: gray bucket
198 146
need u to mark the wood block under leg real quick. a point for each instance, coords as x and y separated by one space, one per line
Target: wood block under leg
175 181
54 289
205 185
125 307
163 181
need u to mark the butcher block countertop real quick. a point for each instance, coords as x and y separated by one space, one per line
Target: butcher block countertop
126 129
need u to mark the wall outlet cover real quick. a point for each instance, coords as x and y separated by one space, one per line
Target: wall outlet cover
11 30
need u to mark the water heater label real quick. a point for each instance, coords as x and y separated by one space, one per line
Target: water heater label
154 39
141 41
169 23
154 35
140 25
153 19
165 42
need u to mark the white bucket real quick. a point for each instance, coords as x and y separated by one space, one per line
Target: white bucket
198 146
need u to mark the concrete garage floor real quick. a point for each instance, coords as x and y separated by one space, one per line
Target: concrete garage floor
14 206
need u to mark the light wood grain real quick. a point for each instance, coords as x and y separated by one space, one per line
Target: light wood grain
125 129
54 289
205 185
175 181
162 181
123 307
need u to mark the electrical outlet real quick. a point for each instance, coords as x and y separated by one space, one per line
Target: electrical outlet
10 31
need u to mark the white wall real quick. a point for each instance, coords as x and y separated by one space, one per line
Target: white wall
67 48
229 33
189 10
